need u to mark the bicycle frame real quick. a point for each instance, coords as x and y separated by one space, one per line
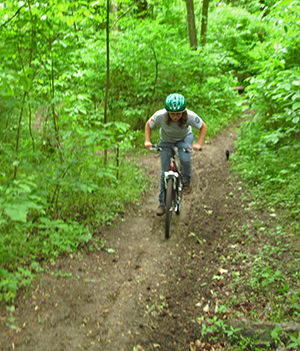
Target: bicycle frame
173 187
175 174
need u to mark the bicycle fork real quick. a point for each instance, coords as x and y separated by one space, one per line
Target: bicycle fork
175 178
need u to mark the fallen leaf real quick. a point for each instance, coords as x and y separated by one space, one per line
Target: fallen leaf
198 345
206 309
222 271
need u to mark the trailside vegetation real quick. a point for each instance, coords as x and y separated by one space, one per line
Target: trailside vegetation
64 169
268 154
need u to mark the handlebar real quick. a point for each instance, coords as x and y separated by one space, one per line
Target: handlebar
185 149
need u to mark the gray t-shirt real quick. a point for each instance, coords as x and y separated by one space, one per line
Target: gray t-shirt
172 133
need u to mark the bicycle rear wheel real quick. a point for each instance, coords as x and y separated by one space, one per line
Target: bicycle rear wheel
169 208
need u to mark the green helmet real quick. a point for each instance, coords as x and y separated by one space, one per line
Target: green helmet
175 103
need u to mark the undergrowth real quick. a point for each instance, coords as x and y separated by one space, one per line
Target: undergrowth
33 235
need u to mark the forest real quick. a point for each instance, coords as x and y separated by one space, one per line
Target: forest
79 80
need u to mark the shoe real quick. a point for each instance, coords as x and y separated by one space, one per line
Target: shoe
160 210
187 188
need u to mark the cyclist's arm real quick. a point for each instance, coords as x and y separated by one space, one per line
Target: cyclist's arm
201 137
147 143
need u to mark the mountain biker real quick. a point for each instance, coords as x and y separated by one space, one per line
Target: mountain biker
176 123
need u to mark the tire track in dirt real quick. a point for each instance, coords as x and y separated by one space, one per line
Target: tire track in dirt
205 213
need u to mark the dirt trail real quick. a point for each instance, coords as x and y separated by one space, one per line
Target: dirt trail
145 292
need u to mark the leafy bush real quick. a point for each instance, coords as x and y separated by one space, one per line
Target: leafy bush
238 33
268 148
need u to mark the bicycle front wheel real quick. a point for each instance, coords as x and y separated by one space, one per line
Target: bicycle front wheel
169 208
178 197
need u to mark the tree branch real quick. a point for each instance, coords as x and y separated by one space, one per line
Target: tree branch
123 14
15 15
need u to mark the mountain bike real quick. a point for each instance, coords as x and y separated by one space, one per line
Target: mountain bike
173 182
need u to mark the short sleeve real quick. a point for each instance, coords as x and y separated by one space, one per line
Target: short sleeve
194 120
156 119
152 122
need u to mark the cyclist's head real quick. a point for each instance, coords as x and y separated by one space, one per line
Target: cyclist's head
175 103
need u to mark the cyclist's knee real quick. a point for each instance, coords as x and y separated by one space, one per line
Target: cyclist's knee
185 159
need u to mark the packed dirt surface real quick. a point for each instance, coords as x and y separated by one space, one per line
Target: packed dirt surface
141 291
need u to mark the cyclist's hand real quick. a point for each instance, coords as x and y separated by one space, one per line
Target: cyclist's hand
196 147
148 145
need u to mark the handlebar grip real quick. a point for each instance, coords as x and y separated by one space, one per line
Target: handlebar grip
155 147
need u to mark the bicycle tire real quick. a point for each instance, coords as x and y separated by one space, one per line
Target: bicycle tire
169 208
177 194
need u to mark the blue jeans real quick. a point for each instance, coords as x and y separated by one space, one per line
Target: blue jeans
185 160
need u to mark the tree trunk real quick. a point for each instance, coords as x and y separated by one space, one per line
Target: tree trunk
191 23
204 21
107 73
107 63
18 136
114 12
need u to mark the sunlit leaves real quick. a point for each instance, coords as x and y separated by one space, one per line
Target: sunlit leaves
269 144
296 106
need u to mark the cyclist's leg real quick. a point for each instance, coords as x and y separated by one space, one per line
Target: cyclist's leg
165 155
185 157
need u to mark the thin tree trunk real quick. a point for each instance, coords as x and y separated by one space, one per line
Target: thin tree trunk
191 24
52 96
114 11
123 14
18 133
30 128
204 21
107 72
54 114
118 162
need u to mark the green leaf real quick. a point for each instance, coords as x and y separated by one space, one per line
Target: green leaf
95 3
105 174
25 187
16 214
26 83
70 21
63 44
296 120
296 105
122 126
62 7
295 96
83 187
10 91
83 97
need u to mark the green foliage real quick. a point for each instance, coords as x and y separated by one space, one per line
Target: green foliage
237 33
268 147
256 6
295 342
138 90
55 187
